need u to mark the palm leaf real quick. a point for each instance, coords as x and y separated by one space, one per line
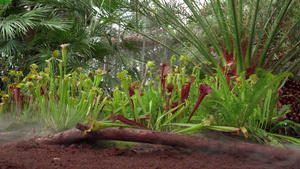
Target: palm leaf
11 47
14 26
55 23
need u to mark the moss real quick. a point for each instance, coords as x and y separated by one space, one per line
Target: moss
113 144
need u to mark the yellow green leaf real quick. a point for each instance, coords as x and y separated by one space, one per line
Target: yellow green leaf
94 126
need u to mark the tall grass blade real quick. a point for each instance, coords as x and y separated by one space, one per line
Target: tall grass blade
226 31
236 38
273 33
251 37
283 39
193 7
287 57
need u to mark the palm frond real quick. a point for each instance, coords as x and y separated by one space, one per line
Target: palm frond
55 23
14 26
11 47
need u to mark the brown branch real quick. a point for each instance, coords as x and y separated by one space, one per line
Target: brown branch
171 139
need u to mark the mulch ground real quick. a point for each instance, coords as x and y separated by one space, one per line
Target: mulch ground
32 155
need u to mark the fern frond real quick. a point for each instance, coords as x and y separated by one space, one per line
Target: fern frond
260 88
284 124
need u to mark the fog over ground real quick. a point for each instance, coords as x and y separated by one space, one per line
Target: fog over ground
12 131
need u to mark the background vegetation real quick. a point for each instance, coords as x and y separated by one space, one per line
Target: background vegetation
218 65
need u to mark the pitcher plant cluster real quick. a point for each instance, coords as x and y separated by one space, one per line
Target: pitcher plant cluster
170 100
59 100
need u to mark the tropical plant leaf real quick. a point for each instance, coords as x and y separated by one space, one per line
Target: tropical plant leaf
260 88
287 138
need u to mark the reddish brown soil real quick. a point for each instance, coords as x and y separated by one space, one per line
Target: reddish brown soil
31 155
15 153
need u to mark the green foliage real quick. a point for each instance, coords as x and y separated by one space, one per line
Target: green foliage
30 30
250 107
63 90
247 101
243 106
59 101
230 32
3 2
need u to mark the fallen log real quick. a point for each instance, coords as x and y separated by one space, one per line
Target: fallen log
171 139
